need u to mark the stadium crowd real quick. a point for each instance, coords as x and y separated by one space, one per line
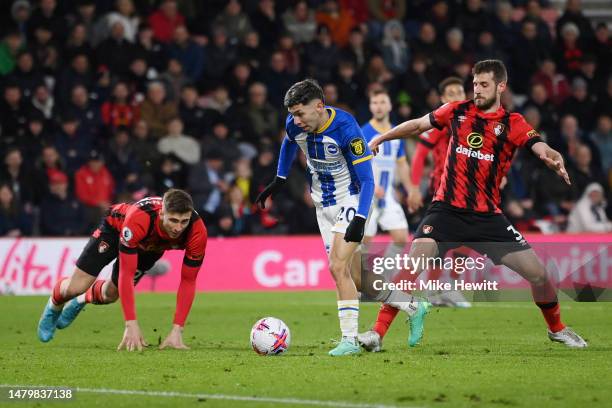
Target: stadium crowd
113 100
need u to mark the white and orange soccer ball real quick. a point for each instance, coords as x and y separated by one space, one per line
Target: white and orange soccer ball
270 336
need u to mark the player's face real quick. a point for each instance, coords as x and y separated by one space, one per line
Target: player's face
486 91
453 93
174 223
308 116
380 106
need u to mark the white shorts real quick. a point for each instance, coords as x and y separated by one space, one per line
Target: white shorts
391 217
336 218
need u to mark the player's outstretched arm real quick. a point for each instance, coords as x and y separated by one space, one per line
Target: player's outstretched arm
410 128
415 199
132 336
552 158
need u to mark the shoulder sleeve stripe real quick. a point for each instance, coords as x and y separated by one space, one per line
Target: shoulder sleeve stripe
368 157
194 263
127 250
426 143
433 121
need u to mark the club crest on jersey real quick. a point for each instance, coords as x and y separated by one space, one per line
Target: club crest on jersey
475 140
357 146
498 129
126 234
331 149
427 229
103 247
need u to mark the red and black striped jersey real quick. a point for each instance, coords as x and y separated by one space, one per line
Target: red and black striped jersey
139 226
437 141
479 153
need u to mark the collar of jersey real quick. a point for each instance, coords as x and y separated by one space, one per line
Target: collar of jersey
499 113
332 116
379 130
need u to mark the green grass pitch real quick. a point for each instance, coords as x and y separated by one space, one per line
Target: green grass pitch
493 355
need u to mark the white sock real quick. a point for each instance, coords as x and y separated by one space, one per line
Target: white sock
54 306
403 301
348 313
81 298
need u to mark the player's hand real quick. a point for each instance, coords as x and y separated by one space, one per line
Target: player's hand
355 229
374 143
174 339
132 337
555 162
414 200
270 189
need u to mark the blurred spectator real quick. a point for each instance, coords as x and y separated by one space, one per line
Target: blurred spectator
174 79
156 110
589 214
528 54
14 221
321 55
220 56
9 48
571 137
50 162
145 148
61 214
20 178
36 137
48 14
26 75
21 11
73 143
219 140
116 53
602 50
251 50
300 22
356 50
426 40
439 16
557 86
538 98
122 162
349 84
164 21
472 19
602 137
207 183
277 79
338 21
486 48
452 52
239 83
378 72
395 51
94 187
150 49
266 22
118 110
87 16
262 118
233 215
189 53
85 111
293 59
235 21
78 43
573 14
582 171
124 14
382 11
533 11
77 73
569 51
13 115
580 104
184 147
503 28
193 116
43 101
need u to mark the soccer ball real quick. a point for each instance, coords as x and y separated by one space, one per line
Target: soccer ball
270 336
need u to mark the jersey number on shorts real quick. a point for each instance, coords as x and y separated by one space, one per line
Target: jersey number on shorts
349 213
517 235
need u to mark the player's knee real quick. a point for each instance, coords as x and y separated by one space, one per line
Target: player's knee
424 247
338 269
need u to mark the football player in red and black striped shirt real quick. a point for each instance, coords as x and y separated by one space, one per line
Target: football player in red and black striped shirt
465 208
136 235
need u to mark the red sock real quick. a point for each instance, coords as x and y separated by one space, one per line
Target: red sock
385 317
56 296
552 315
94 293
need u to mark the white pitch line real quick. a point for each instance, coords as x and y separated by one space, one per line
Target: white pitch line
225 397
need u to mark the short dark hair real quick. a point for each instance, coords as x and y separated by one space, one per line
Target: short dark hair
177 201
497 67
303 92
453 80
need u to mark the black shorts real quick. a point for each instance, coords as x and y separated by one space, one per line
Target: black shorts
487 233
103 247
